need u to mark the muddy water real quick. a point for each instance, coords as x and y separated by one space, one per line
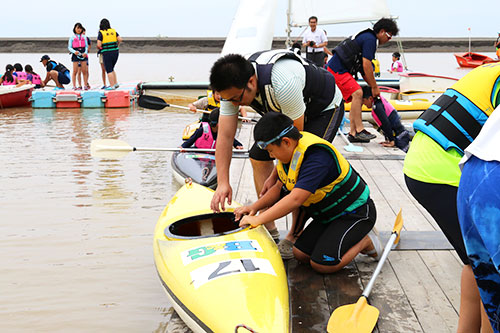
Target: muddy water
75 231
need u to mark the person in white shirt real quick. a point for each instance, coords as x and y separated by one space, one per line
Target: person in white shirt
314 41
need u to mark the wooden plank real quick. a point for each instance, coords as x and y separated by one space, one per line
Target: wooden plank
396 314
418 240
429 303
343 287
308 298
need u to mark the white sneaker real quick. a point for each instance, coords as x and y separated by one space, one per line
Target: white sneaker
377 251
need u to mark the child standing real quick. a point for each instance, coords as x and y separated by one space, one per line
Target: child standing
77 46
396 66
108 42
315 178
206 135
388 119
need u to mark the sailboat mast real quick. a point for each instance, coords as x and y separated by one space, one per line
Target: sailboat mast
288 42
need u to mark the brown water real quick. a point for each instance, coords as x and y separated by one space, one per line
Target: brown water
76 232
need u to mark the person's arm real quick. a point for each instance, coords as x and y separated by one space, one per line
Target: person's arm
223 155
283 207
189 142
369 77
237 144
324 40
271 197
288 80
379 110
99 41
119 39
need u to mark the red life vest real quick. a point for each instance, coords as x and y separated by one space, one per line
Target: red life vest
79 41
206 140
21 75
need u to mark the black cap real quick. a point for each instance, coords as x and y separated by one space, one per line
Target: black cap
45 57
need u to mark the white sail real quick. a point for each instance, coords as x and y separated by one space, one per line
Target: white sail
252 29
333 12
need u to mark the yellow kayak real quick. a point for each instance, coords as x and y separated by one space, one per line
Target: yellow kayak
219 276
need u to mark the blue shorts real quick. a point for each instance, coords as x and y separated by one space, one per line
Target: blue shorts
110 58
64 78
478 206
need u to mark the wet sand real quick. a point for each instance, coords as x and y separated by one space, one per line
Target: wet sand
214 45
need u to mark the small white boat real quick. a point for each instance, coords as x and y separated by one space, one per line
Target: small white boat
411 82
424 96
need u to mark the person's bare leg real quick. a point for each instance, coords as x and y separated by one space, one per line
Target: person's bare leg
73 76
54 75
355 118
112 78
103 75
261 171
485 321
85 72
364 245
469 318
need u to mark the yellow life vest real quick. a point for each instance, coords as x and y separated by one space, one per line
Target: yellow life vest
109 40
456 118
340 195
212 103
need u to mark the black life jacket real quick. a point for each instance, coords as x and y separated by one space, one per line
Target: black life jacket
58 67
318 92
351 54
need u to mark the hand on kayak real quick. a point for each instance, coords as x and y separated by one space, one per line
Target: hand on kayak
253 221
242 211
223 193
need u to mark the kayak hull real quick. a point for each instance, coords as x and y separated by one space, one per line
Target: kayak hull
198 166
216 274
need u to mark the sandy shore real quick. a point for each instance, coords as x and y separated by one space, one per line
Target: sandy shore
214 45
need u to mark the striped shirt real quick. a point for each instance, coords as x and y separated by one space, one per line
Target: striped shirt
288 79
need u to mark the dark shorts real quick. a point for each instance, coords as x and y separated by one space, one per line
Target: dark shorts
441 202
64 78
75 58
327 243
325 126
478 204
110 58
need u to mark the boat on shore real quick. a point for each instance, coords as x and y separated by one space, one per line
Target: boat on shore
13 96
472 60
407 109
217 275
412 82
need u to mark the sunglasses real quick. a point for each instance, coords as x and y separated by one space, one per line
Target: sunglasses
388 35
263 144
236 100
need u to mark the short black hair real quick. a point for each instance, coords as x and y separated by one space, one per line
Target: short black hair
312 18
229 71
271 125
367 91
396 55
78 25
213 117
18 67
388 24
104 25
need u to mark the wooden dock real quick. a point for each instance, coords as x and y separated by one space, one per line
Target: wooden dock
418 289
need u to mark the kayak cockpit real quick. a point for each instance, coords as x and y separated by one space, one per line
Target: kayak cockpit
201 226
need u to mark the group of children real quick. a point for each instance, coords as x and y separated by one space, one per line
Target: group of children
14 75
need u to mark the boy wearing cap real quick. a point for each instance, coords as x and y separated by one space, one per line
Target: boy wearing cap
315 178
56 72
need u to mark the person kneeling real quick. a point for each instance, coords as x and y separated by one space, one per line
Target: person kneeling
316 179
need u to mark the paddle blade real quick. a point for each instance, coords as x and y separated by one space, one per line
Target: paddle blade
398 225
360 318
152 102
109 148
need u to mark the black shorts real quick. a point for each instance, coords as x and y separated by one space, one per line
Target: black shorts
327 243
325 126
110 58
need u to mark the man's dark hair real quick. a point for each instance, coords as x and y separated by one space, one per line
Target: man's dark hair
367 91
104 25
232 70
389 25
18 67
271 125
312 18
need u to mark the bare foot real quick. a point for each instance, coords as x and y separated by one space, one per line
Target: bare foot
388 144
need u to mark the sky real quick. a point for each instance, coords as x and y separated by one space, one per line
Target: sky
213 18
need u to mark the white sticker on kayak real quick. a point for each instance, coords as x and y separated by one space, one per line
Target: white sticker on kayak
204 251
210 272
